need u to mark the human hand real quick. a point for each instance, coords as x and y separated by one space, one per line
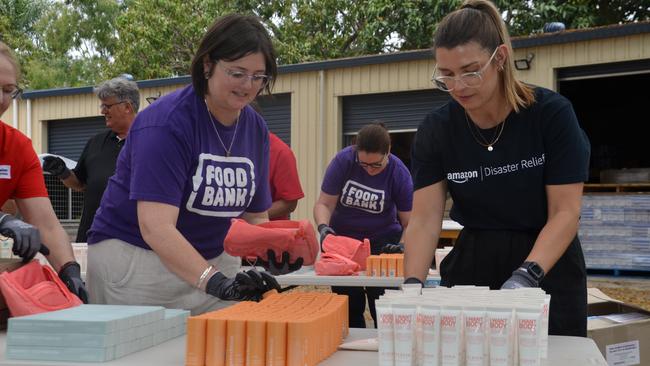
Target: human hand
323 231
27 240
282 267
247 285
393 248
520 278
70 274
56 166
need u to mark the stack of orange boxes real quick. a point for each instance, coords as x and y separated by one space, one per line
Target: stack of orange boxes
299 328
385 265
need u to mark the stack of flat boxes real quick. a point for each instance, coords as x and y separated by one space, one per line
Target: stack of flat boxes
92 333
615 231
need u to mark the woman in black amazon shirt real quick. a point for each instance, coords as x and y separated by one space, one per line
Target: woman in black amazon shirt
514 160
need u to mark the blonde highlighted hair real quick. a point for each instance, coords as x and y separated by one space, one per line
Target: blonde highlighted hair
479 21
9 54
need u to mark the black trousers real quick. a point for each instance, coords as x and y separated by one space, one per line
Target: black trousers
488 258
357 295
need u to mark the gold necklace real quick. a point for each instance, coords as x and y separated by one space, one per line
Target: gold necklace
488 144
217 132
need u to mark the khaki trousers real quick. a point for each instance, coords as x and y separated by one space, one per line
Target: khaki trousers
123 274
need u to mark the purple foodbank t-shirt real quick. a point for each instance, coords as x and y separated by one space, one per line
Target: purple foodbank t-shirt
367 205
173 155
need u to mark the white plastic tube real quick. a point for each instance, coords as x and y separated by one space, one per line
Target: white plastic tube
476 353
545 313
404 327
385 333
451 337
429 321
501 336
529 335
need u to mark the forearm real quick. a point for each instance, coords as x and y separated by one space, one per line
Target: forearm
419 238
58 242
256 218
176 253
554 239
322 214
282 208
73 182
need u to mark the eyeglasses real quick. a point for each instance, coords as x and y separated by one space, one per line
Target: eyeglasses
375 165
13 90
108 106
469 79
240 77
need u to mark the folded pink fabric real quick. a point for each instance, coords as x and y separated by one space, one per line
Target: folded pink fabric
34 288
332 264
350 248
296 237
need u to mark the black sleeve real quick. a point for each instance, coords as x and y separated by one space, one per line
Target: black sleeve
80 170
426 159
566 144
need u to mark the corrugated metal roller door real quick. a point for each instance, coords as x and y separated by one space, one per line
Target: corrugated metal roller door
399 111
68 137
276 110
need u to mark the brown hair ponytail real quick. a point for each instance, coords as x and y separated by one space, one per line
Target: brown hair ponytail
480 21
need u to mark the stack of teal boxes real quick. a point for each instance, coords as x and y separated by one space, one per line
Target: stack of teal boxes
92 333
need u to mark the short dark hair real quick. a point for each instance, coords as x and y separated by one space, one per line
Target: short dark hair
230 38
373 138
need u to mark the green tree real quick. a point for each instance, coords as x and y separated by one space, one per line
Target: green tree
81 42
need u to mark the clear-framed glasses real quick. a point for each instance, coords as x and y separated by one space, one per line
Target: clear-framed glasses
240 77
108 106
13 90
468 79
375 165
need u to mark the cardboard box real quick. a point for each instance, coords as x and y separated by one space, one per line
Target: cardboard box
621 331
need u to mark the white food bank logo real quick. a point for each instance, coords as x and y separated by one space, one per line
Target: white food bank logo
356 195
222 186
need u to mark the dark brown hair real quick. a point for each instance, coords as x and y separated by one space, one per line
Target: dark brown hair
479 21
373 138
230 38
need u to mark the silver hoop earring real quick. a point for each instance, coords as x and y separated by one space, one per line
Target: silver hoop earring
207 75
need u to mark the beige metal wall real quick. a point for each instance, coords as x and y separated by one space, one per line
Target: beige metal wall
316 98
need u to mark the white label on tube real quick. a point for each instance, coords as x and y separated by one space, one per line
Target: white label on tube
501 345
430 342
450 337
475 344
385 335
528 335
623 354
404 325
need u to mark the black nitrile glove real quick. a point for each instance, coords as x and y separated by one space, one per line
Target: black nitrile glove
520 278
282 267
70 274
247 285
56 166
27 240
393 248
323 231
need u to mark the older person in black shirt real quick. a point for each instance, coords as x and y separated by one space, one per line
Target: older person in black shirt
120 101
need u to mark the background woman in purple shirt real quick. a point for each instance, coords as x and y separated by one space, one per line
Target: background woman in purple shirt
194 160
367 192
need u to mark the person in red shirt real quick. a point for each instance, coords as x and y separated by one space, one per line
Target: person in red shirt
285 183
21 179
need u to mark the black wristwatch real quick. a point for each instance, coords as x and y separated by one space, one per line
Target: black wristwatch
534 270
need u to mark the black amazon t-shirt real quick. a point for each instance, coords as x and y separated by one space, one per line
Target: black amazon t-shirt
503 189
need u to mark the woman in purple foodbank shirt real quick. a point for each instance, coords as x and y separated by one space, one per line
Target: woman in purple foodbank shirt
367 192
194 159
